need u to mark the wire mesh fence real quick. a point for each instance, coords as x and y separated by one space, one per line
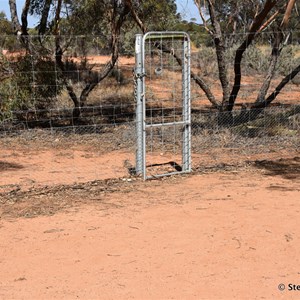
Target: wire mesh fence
46 140
34 157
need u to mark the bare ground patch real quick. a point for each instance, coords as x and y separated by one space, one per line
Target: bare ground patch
214 234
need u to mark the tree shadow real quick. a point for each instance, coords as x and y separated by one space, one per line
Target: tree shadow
7 166
288 168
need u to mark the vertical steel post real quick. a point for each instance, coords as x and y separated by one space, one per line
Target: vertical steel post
186 81
139 72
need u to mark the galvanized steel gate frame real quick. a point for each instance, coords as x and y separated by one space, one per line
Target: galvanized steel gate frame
140 94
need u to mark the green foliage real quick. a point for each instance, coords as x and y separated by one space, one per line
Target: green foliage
11 98
5 25
33 84
255 60
6 31
118 75
288 60
87 17
237 16
93 17
198 34
205 55
36 7
158 15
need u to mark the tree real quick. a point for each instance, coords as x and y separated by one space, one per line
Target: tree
109 22
151 16
5 25
221 17
60 17
6 31
224 21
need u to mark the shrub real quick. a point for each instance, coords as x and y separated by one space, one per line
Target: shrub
34 83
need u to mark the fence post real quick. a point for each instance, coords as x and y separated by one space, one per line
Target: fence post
186 81
139 71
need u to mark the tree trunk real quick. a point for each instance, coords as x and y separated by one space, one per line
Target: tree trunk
116 30
94 81
257 23
278 89
24 16
220 52
72 95
274 58
205 88
44 17
14 15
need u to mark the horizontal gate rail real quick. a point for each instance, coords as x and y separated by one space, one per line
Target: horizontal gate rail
167 124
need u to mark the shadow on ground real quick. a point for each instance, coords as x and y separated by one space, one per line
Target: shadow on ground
6 166
288 168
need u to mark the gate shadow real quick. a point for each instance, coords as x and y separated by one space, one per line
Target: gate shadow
173 164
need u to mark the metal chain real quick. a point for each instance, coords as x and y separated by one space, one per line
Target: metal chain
134 84
136 76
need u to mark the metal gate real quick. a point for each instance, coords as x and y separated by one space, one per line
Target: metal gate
163 114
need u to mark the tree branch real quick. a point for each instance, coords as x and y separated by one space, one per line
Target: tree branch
204 21
135 16
268 22
287 14
57 17
256 25
197 79
275 54
276 50
115 42
278 89
60 63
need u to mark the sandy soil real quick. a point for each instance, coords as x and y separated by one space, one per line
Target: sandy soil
24 169
230 230
248 93
26 165
215 234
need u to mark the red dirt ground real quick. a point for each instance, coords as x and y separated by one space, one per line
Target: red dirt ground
64 166
228 231
215 234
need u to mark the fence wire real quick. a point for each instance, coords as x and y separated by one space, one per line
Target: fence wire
44 141
33 157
